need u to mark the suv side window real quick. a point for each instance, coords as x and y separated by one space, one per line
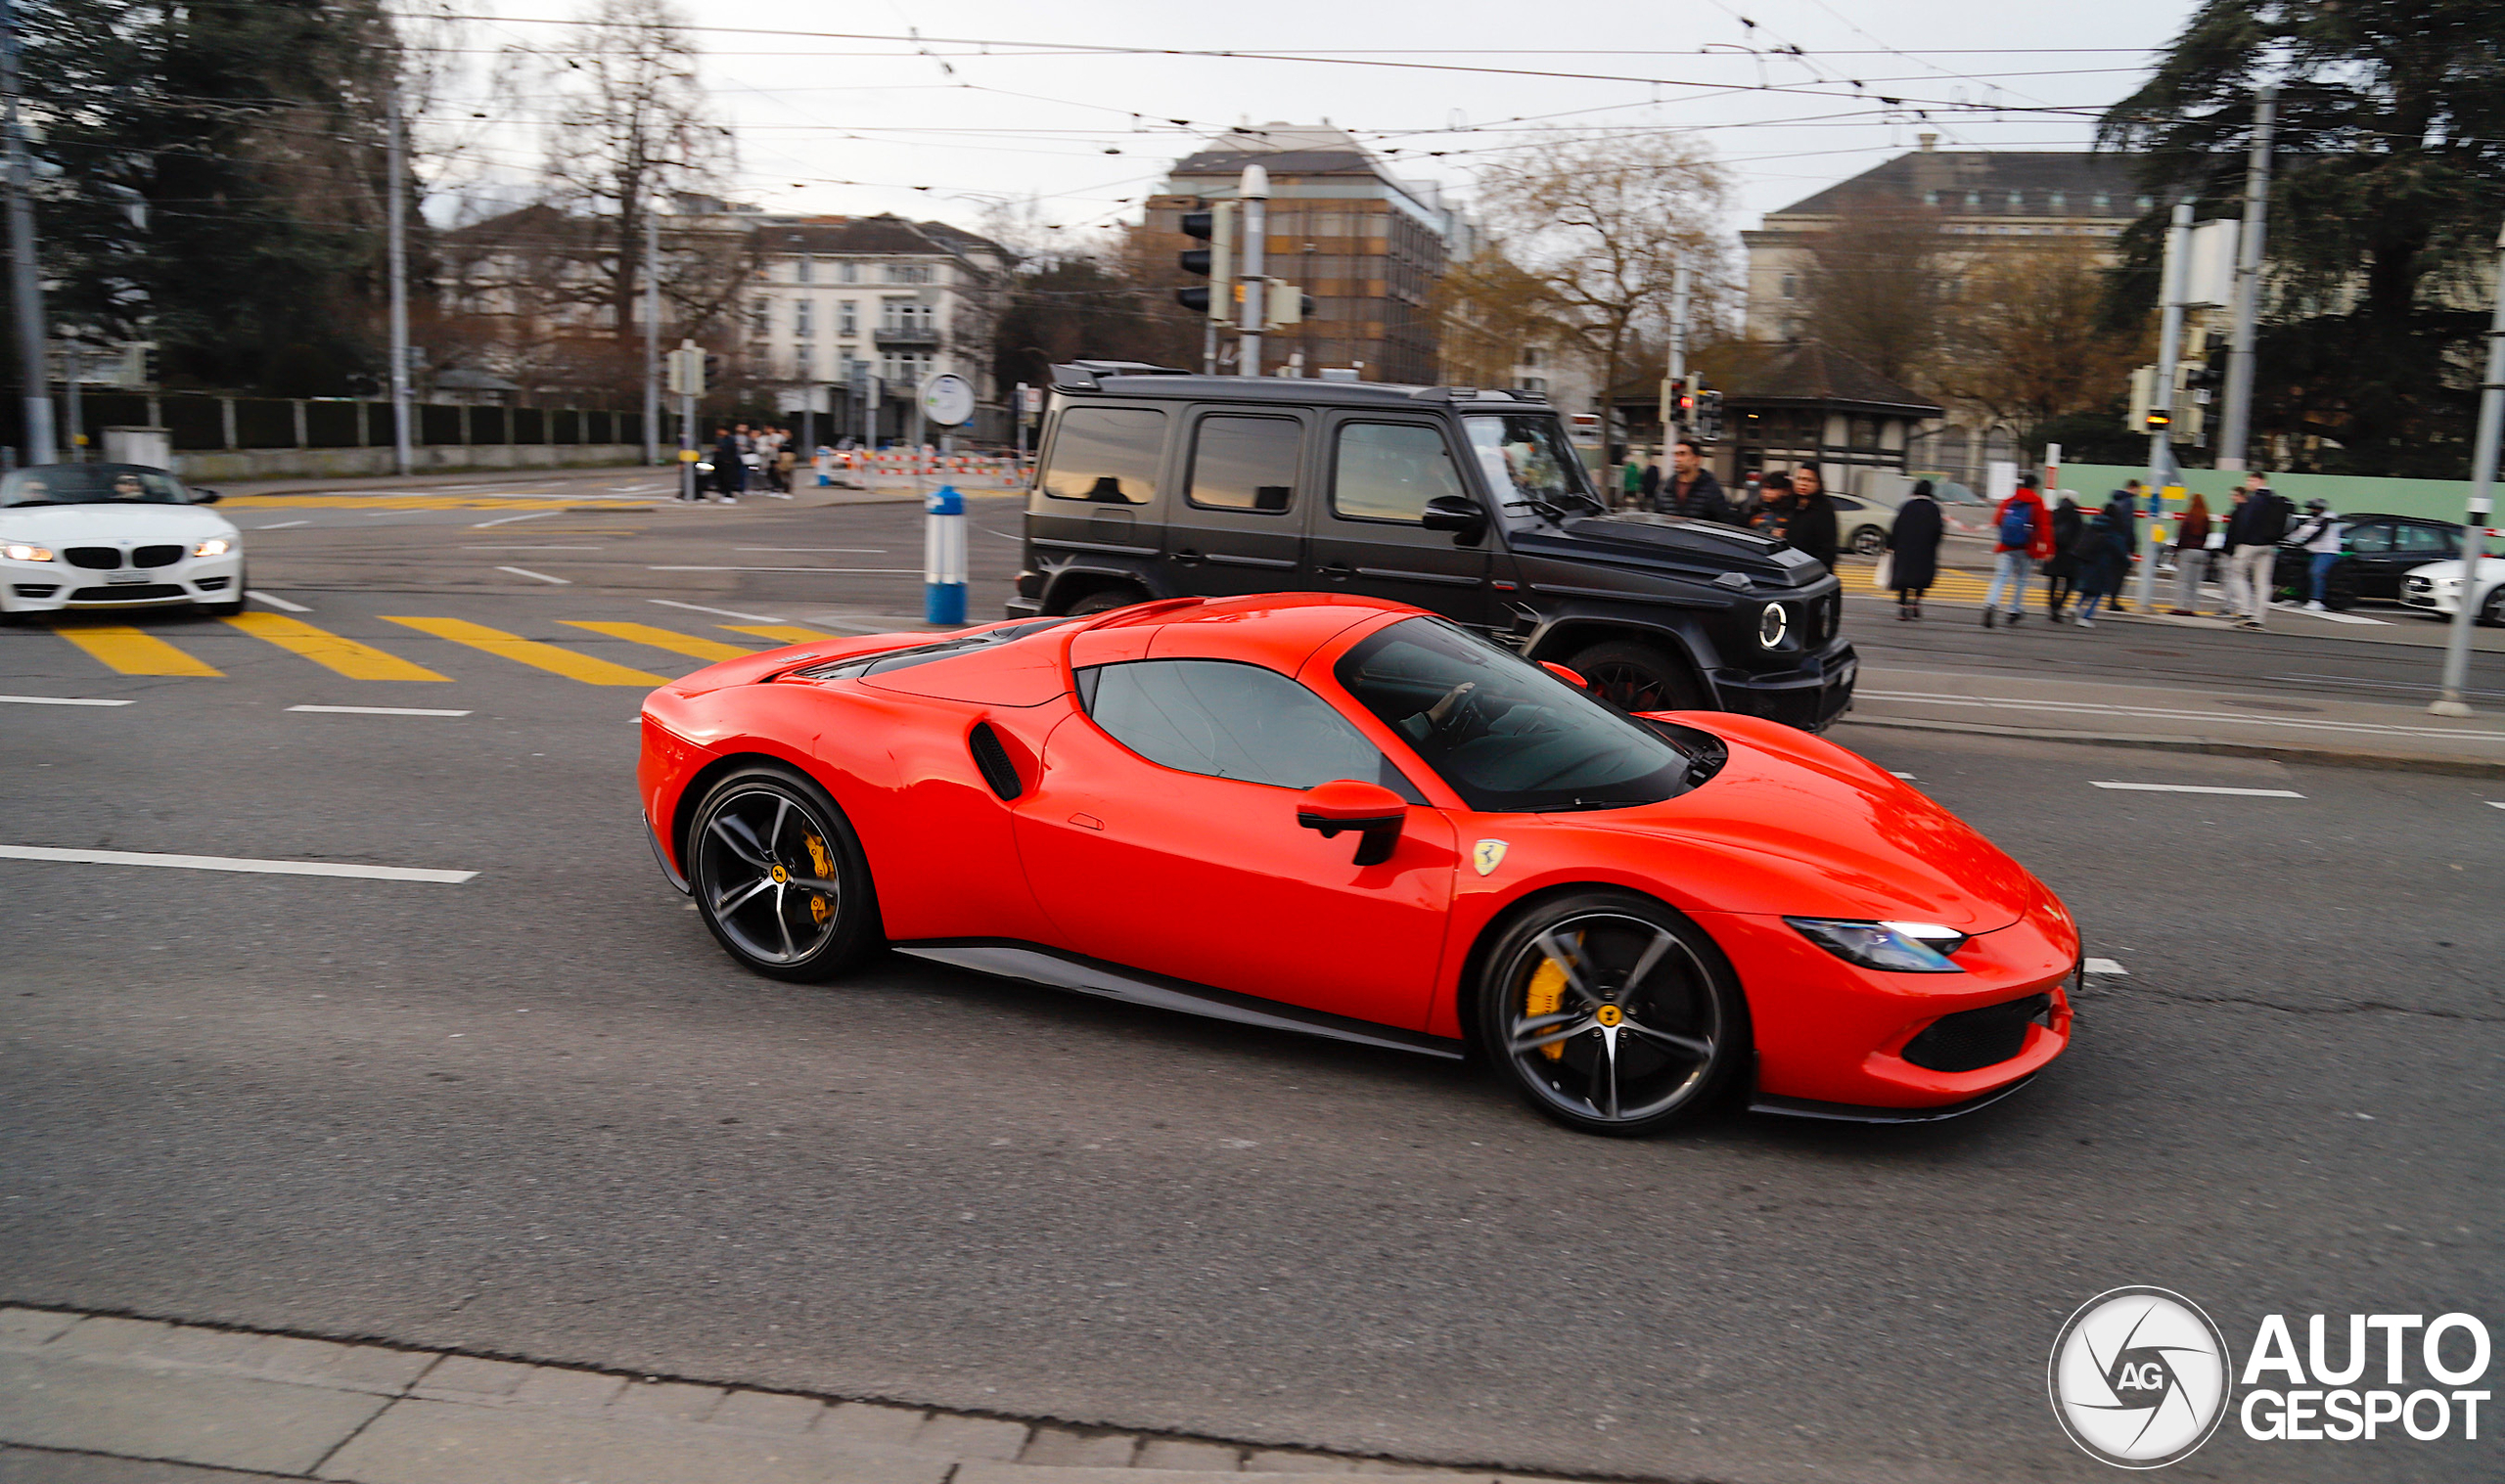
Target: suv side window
1106 454
1389 470
1225 719
1247 464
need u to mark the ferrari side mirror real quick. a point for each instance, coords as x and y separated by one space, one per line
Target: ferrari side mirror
1374 811
1457 513
1572 678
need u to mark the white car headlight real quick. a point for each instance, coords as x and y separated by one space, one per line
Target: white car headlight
215 546
19 552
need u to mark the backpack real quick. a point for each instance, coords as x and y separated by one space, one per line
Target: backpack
2018 524
2271 526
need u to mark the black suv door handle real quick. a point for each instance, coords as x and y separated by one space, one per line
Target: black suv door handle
1337 572
1188 556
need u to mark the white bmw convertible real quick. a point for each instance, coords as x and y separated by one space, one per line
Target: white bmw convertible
90 536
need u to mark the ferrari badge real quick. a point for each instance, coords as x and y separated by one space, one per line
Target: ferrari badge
1488 855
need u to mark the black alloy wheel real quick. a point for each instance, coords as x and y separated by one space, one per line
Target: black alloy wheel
1639 677
1612 1013
1869 540
779 876
1105 601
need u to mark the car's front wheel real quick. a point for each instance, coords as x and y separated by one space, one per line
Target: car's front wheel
1105 600
1612 1013
1869 541
2492 611
779 876
1639 677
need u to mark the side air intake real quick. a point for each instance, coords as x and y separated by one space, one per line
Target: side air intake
993 759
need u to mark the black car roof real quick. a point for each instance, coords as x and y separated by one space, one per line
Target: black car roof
1132 380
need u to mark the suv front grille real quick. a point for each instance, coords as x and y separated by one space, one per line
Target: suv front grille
94 558
1973 1039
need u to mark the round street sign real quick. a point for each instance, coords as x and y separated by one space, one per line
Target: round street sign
947 400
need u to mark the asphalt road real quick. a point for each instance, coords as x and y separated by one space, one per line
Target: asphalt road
539 1113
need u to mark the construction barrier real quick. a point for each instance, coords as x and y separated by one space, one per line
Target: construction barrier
863 467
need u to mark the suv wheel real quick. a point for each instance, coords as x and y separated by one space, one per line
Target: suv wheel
1105 600
1633 676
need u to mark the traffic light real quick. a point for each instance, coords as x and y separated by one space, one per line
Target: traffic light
1675 403
1709 416
1216 262
1284 304
2157 420
2143 396
687 371
712 372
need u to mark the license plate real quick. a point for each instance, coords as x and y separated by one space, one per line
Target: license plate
125 577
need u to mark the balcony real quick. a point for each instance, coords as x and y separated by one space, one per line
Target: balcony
906 338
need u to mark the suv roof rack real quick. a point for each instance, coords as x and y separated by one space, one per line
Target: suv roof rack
1462 394
1080 375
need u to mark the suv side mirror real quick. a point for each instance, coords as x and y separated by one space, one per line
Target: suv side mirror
1374 811
1457 513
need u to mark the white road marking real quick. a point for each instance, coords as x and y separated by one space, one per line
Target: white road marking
77 701
282 526
2160 713
792 551
232 863
2494 803
510 520
1899 774
698 608
2198 788
2107 967
523 572
276 601
378 710
2331 617
533 548
909 571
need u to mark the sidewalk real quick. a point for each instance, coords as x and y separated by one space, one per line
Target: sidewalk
79 1390
2320 729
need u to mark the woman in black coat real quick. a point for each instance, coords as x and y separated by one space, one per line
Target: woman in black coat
1913 550
2105 547
1811 525
2061 570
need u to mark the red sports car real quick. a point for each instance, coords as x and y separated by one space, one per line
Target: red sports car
1345 816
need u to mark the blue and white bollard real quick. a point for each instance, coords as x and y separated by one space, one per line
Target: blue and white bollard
943 556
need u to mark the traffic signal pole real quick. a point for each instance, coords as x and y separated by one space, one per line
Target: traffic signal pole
1254 188
25 280
2161 439
395 217
2481 511
2236 418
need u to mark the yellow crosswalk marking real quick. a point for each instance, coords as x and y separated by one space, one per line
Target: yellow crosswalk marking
530 651
346 657
132 651
662 639
779 633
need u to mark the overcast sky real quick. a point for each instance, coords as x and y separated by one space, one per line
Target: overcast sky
856 124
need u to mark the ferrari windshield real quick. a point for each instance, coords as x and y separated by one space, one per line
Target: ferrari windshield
1527 462
91 484
1508 736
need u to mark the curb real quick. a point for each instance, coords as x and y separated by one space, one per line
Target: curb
2328 757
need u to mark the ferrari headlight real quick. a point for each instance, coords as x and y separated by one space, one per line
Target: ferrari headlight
1906 948
17 550
215 546
1772 624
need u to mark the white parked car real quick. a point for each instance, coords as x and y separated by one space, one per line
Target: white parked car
94 536
2437 587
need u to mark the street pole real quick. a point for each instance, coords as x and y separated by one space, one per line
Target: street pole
651 336
2236 418
74 367
1678 341
26 283
1209 347
2178 241
2482 483
396 218
1254 188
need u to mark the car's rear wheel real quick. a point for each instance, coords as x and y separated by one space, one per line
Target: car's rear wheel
1105 600
1639 677
2492 611
1612 1013
779 876
1869 541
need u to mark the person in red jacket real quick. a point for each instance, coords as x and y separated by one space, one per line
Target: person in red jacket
2023 535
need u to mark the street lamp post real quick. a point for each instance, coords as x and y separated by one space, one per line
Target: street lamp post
2475 519
26 283
1254 189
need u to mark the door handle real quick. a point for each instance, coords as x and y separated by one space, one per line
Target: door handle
1337 572
1188 557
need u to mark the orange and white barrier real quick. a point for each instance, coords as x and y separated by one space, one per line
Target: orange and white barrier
861 467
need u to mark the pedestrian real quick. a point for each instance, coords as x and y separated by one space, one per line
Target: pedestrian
1913 550
2114 602
1649 485
2319 534
786 458
2023 535
2253 530
2191 557
695 493
1811 525
2105 545
1630 484
1691 490
1773 503
2061 570
726 465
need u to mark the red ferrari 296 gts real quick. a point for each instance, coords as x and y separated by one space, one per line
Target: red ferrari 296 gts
1348 818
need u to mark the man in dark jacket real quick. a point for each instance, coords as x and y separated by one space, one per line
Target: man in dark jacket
1691 490
729 472
1811 527
2253 531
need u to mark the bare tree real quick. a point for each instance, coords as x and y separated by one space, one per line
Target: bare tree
1873 288
2023 338
1602 224
1488 309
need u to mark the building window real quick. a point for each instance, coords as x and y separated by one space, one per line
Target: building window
907 315
2058 203
2104 201
805 362
801 271
2017 200
848 317
803 318
1536 385
1791 285
908 273
1930 198
1974 200
847 273
2147 202
1531 357
904 368
759 311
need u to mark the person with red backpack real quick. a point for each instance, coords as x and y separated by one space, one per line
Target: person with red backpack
2023 536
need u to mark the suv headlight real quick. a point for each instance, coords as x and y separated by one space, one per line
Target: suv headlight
215 546
1772 624
19 552
1908 948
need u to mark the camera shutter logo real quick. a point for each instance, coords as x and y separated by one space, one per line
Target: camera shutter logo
2139 1377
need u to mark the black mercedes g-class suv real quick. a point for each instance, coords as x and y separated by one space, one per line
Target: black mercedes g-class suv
1157 484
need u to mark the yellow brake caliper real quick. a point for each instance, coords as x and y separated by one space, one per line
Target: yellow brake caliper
1547 992
819 911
